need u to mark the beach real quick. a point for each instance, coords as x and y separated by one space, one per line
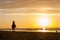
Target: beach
16 35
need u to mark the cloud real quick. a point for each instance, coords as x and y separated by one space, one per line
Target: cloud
29 3
30 10
6 2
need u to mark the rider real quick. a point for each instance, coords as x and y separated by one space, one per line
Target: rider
13 25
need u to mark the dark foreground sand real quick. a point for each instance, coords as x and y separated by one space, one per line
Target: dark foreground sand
8 35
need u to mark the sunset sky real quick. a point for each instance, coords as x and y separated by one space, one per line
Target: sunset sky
30 13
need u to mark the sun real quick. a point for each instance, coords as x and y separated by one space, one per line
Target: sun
43 21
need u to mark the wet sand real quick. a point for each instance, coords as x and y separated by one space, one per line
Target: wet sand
14 35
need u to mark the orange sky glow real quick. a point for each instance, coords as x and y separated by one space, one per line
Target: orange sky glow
30 13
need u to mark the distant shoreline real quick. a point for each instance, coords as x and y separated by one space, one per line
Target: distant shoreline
31 30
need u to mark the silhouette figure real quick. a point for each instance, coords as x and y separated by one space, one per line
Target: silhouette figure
13 26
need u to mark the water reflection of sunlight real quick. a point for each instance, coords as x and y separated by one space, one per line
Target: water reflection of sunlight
44 30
